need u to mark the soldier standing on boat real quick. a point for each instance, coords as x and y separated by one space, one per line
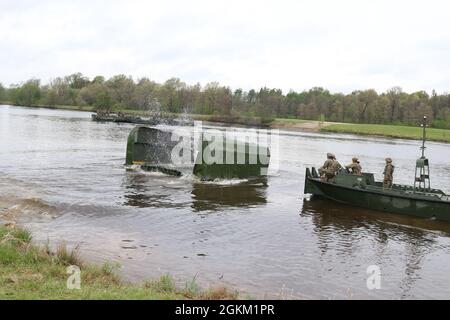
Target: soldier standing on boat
329 168
336 166
388 174
355 167
326 166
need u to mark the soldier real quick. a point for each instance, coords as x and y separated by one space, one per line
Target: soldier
329 168
336 166
327 164
388 174
355 167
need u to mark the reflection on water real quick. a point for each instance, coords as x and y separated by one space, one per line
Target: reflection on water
207 196
326 213
147 190
64 176
348 225
154 189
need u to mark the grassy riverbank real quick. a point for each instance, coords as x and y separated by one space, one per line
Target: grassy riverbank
389 131
394 131
31 272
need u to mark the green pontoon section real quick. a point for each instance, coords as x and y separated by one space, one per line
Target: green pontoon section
239 160
151 149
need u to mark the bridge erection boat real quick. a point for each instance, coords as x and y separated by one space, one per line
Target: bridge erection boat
418 200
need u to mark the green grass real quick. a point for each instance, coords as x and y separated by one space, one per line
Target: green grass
284 121
390 131
31 272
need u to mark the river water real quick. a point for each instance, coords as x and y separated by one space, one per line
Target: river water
63 177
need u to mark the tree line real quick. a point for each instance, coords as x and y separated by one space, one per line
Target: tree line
122 92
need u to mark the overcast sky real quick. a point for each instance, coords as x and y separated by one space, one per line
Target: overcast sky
340 45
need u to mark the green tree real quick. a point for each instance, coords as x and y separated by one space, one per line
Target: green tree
28 94
144 93
103 101
2 93
88 95
366 106
394 96
172 95
98 80
122 88
60 93
76 81
365 102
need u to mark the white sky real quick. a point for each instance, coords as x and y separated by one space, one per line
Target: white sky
340 45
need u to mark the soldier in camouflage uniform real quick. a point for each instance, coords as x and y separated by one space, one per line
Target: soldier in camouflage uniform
355 167
329 168
336 166
388 174
326 166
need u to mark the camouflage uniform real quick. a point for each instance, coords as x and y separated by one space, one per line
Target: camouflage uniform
355 167
329 168
336 166
388 174
326 166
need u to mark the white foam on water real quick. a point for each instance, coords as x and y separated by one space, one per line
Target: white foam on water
225 182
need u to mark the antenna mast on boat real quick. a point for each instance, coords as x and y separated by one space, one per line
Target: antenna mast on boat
424 137
422 178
